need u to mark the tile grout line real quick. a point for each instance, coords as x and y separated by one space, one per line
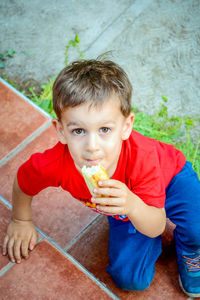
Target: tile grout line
78 265
32 136
67 255
10 264
6 268
6 202
85 230
25 142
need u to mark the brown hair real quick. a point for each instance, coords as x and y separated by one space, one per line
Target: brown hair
94 81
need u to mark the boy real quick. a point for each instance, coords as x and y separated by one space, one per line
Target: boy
149 180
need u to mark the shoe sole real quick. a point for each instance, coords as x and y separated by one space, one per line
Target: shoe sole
187 293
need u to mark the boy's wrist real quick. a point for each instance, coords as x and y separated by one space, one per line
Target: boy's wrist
14 219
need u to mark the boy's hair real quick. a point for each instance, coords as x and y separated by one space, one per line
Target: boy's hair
93 81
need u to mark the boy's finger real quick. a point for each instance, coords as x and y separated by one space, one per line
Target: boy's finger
33 241
24 249
107 201
5 242
113 192
110 183
10 249
116 210
16 253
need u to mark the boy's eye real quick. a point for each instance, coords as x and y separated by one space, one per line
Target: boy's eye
104 130
78 131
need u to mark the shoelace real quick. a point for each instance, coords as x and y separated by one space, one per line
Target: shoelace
193 264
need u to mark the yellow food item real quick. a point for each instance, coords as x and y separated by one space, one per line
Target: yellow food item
92 176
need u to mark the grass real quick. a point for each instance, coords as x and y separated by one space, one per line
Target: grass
176 130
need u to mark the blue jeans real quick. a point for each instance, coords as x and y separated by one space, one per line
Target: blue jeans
133 255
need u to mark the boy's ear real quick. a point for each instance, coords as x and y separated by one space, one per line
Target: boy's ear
128 126
60 131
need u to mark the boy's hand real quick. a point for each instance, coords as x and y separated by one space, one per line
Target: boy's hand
20 236
118 200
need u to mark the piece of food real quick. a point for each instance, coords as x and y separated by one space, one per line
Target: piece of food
92 176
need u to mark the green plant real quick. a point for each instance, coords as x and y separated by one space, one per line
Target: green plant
189 148
45 104
75 44
5 56
171 130
47 88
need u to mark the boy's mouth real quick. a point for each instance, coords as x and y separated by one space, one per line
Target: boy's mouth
93 162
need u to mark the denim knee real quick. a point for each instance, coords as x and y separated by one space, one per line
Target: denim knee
132 282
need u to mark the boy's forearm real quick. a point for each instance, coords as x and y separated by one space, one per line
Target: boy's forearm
21 204
148 220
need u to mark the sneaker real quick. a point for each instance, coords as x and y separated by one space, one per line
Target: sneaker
189 273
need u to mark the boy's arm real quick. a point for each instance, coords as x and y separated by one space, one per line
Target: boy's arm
21 204
148 220
21 234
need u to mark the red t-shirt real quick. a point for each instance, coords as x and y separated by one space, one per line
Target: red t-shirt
145 165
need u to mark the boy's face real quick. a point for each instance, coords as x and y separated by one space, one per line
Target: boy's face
94 134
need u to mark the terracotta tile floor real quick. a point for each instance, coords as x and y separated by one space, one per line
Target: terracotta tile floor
17 120
70 258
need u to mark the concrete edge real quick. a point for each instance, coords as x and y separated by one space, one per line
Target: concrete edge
43 112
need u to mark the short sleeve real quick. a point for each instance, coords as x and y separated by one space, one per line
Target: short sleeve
149 184
41 170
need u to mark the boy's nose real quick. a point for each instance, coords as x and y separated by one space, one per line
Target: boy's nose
92 143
